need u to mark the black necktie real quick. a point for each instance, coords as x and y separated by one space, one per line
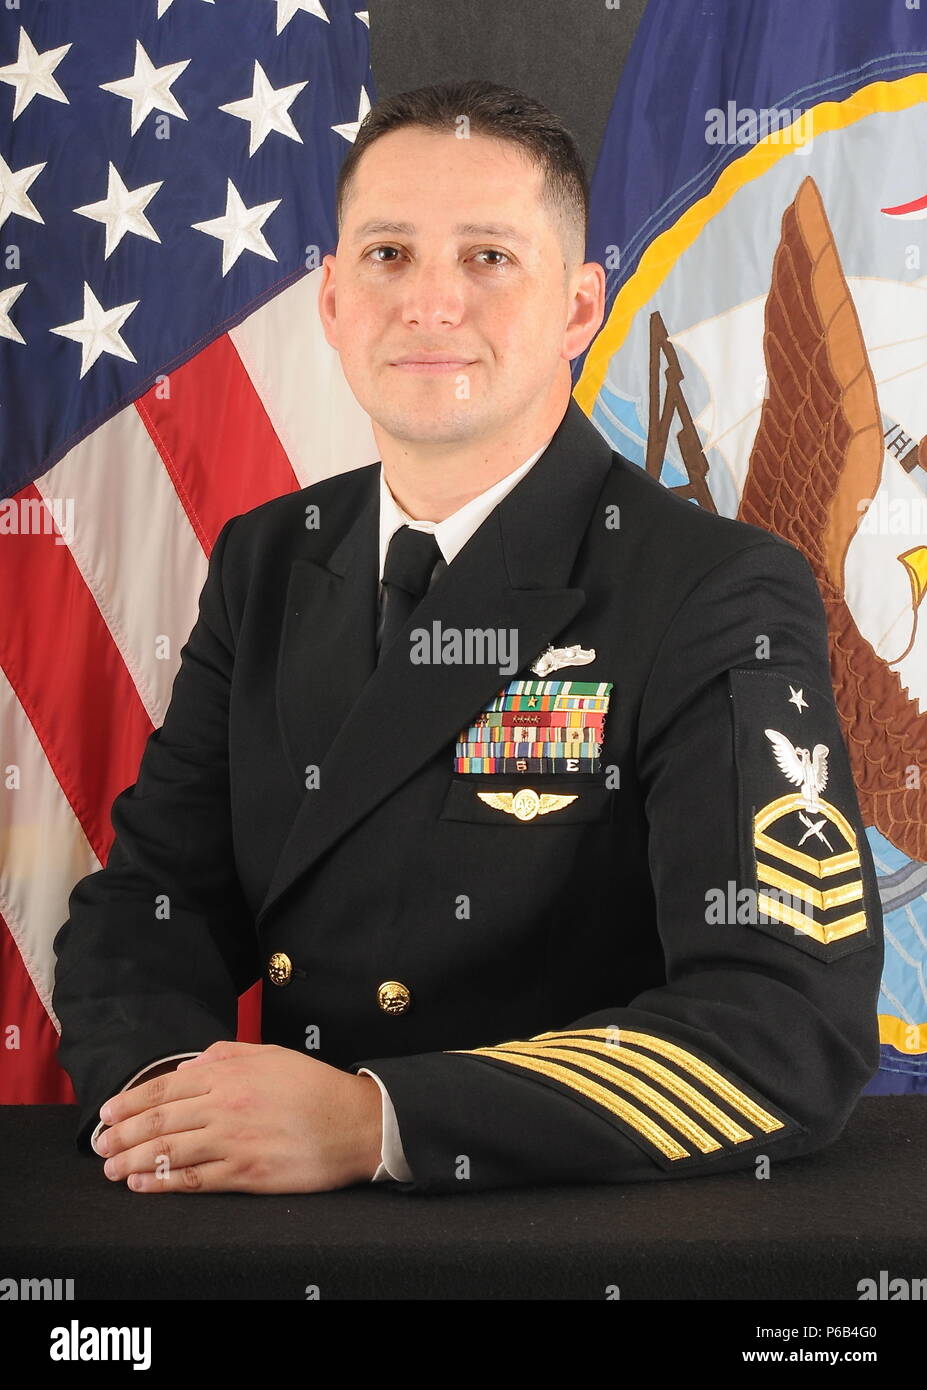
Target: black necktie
413 559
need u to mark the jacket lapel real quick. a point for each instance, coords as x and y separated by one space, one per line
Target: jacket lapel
327 646
369 728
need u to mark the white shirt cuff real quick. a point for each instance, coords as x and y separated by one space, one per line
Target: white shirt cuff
175 1057
392 1159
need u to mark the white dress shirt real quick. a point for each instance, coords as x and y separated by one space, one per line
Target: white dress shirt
452 535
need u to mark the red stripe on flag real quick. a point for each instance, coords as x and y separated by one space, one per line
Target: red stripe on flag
70 678
211 429
29 1072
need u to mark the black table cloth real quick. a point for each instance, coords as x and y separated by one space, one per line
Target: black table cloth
815 1228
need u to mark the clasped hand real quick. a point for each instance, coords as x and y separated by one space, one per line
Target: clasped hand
244 1117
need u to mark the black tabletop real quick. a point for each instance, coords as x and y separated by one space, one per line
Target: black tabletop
813 1229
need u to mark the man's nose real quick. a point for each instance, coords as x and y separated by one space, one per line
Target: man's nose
433 293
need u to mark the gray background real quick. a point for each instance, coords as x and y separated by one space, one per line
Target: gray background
567 53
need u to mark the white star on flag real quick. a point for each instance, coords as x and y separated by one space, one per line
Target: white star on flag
165 5
350 128
267 109
286 9
239 228
98 330
31 74
8 298
148 88
122 211
13 192
363 16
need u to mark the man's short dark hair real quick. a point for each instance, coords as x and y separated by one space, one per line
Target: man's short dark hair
492 111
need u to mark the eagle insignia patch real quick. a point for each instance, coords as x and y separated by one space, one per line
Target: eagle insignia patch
800 849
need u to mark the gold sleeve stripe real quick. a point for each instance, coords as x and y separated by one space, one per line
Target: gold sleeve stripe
628 1057
638 1089
688 1062
657 1136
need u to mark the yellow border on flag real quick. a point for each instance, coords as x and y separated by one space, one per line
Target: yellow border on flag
897 1034
664 251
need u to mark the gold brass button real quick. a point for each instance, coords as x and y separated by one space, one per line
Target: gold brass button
394 997
279 969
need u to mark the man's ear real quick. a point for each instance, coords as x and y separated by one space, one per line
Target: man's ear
326 301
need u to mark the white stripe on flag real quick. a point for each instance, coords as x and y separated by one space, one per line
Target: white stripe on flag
45 849
135 548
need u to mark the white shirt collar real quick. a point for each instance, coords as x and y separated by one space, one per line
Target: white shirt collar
455 530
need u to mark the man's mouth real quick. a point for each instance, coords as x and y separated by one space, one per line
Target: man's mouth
433 362
431 367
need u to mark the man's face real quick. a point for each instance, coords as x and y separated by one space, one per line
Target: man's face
492 304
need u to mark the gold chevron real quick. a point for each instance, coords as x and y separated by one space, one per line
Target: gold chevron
831 897
818 868
825 932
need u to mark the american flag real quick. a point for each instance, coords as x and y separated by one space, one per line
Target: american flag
167 177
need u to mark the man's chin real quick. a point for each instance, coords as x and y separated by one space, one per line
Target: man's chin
436 427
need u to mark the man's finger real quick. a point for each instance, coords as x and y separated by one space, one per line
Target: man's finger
221 1051
173 1085
159 1156
169 1118
192 1177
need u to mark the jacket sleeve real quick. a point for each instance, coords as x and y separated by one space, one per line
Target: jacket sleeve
765 1030
159 943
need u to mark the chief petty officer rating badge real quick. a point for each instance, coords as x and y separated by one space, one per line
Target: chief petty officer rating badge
799 850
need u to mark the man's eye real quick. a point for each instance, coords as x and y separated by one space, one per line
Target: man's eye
488 251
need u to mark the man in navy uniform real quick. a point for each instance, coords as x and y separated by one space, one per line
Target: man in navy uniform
517 778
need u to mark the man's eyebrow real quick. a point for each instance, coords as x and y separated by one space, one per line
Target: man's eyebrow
489 229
